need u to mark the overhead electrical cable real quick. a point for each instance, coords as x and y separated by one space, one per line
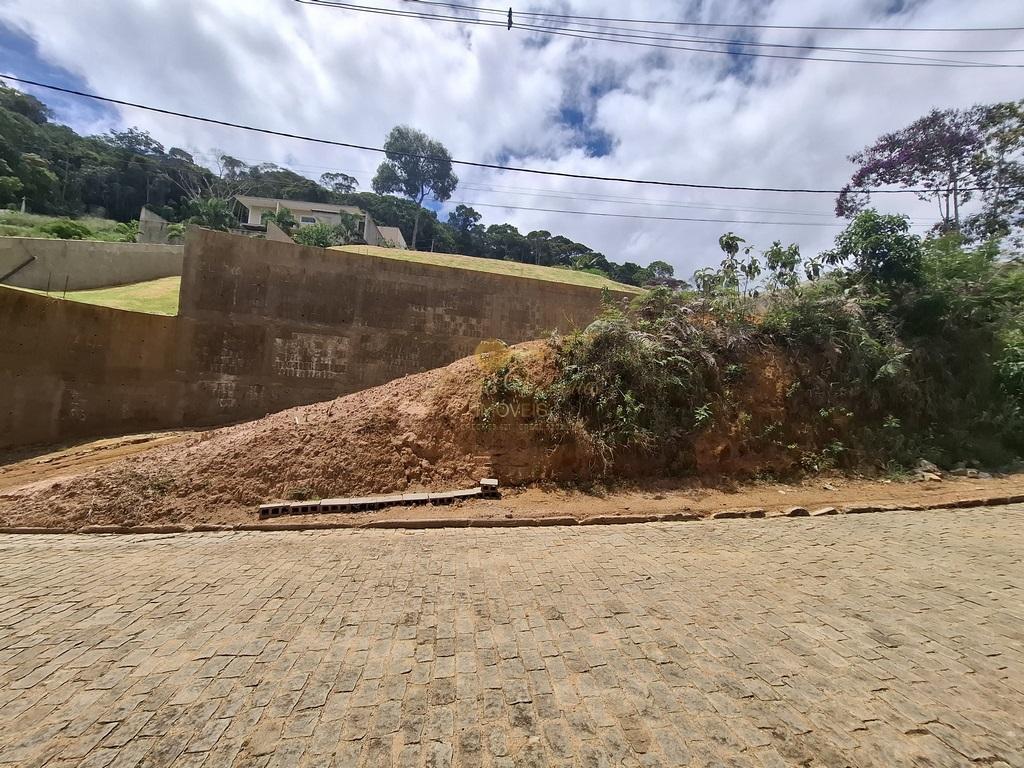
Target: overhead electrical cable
598 198
555 193
630 32
566 16
558 194
652 218
628 39
468 163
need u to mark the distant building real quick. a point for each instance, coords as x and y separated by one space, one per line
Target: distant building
253 209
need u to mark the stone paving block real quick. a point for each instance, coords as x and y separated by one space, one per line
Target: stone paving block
872 640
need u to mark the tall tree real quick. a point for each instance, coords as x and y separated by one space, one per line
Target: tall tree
661 270
505 242
339 183
935 153
540 246
416 166
999 173
469 232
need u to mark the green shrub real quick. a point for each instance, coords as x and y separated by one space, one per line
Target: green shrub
320 235
913 348
1010 370
639 381
66 229
324 235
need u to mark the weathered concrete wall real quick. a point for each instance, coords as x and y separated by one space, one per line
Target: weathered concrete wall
263 326
153 228
85 263
267 326
71 370
277 234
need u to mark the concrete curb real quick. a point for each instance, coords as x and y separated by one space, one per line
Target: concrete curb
537 522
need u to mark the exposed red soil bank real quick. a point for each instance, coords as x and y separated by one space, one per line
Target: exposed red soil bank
416 433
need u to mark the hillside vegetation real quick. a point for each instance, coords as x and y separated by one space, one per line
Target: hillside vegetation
60 173
907 349
15 224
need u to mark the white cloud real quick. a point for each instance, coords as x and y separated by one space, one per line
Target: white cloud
484 91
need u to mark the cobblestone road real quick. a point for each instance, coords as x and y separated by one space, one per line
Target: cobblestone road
890 639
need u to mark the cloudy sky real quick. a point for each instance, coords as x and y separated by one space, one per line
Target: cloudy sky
538 100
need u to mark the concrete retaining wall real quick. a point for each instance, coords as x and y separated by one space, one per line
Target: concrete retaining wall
266 326
85 263
263 326
72 370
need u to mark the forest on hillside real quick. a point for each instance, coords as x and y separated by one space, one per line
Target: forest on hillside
969 163
61 173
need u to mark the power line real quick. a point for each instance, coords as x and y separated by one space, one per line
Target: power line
721 25
630 32
651 218
625 39
563 194
560 194
469 163
570 195
566 194
616 200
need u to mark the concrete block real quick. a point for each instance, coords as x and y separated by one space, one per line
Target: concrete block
420 524
335 505
273 509
447 497
727 514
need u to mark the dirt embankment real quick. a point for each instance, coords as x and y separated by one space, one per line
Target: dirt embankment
417 433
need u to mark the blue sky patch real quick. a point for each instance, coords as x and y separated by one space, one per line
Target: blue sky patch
20 56
594 140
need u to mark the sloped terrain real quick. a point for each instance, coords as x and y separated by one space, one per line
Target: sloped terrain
418 433
426 432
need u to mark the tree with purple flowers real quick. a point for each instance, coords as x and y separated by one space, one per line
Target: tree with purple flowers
952 156
934 154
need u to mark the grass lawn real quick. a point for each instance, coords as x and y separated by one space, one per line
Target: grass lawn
160 297
551 274
155 297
